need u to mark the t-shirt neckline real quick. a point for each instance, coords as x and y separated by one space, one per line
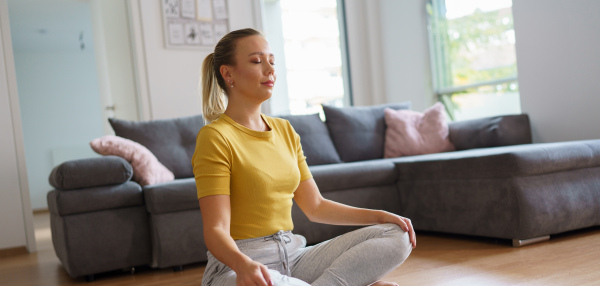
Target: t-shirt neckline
248 130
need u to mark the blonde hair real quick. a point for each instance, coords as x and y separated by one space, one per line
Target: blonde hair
214 88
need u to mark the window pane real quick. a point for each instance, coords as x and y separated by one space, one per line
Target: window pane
489 100
473 57
312 54
475 41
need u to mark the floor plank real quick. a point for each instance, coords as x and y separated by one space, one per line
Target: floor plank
567 259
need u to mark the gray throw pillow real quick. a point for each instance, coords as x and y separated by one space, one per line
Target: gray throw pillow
172 141
490 132
314 137
358 133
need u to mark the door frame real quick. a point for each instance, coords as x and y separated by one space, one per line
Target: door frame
15 112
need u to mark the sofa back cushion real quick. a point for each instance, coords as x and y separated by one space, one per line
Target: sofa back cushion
172 141
411 133
491 132
314 137
147 170
358 133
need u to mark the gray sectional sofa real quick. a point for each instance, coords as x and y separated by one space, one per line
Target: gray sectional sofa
497 184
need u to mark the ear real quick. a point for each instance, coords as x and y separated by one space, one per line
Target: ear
226 73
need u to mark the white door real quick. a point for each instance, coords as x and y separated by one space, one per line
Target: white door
63 92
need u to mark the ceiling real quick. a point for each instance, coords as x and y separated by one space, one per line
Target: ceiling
50 25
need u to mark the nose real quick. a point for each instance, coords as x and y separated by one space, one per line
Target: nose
270 69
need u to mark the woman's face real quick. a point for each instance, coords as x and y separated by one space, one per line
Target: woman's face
254 72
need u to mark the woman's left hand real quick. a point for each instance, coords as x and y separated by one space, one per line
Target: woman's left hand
404 223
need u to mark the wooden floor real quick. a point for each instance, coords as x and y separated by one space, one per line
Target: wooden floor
567 259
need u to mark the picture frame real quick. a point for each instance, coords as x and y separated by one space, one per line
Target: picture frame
194 24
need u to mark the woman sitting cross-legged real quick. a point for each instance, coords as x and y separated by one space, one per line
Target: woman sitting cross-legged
249 167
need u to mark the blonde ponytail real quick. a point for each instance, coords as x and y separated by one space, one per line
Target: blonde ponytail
214 89
214 101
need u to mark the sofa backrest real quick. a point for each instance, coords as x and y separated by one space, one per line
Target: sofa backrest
314 137
172 141
358 133
490 132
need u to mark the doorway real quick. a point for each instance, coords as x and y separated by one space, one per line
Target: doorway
61 54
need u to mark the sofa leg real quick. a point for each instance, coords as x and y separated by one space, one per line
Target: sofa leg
89 278
523 242
178 268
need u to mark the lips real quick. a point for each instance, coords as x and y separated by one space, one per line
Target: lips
268 83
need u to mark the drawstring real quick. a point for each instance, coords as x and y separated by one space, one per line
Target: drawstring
279 237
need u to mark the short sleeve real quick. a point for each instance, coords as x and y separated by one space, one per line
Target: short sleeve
211 163
302 165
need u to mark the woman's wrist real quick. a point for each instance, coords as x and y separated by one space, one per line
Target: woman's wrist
239 262
388 217
383 217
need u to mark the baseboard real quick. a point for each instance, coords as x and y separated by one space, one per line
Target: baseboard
6 252
40 211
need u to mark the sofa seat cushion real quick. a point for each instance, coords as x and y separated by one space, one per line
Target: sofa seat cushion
173 196
172 141
500 162
314 137
354 175
358 133
95 199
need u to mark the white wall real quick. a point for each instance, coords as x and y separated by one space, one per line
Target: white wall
367 86
15 214
172 75
558 58
405 53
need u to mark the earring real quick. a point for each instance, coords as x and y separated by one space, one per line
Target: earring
231 82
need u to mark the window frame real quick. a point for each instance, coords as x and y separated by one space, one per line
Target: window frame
439 60
347 99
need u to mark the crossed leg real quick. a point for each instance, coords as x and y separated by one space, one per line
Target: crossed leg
359 257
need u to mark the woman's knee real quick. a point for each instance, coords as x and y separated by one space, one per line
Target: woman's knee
399 240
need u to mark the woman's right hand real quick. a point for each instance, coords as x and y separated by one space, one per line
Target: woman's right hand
253 273
216 220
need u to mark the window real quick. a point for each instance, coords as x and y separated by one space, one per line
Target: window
308 40
472 46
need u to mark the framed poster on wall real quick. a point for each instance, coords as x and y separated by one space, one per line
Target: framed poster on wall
194 23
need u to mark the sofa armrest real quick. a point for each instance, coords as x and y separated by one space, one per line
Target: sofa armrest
91 172
87 200
490 132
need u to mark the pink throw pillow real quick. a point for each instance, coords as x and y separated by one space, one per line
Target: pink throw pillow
415 133
147 170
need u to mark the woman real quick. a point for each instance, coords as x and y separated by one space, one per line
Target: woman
248 167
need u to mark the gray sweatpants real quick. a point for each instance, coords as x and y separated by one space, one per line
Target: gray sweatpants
359 257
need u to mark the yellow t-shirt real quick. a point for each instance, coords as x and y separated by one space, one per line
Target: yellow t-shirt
258 170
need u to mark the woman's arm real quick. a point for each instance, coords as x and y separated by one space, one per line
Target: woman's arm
321 210
216 219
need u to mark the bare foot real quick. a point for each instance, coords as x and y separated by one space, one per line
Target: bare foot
384 283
